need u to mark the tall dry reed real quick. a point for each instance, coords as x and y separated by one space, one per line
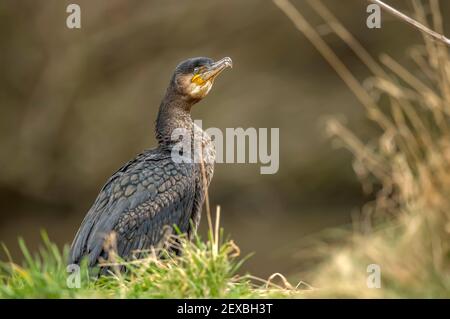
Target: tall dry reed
406 229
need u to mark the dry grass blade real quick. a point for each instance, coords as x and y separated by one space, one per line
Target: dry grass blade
205 187
435 35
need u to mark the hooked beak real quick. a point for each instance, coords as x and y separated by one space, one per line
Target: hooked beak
216 68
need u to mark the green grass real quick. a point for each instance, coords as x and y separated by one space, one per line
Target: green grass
205 269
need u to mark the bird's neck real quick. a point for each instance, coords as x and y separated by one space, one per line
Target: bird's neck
174 118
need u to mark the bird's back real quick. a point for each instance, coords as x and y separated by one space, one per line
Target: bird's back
134 206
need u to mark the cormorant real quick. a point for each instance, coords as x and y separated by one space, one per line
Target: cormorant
155 191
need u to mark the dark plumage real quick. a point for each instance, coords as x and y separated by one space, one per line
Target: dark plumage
141 202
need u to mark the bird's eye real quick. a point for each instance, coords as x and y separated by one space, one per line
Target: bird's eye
196 70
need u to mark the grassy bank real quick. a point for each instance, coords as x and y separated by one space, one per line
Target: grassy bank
205 269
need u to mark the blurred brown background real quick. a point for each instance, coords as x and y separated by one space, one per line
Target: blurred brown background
77 104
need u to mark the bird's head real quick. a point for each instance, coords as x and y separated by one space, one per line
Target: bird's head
194 78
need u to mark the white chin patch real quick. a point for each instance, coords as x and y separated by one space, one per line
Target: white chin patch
200 91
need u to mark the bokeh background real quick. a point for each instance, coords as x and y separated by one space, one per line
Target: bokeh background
77 104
